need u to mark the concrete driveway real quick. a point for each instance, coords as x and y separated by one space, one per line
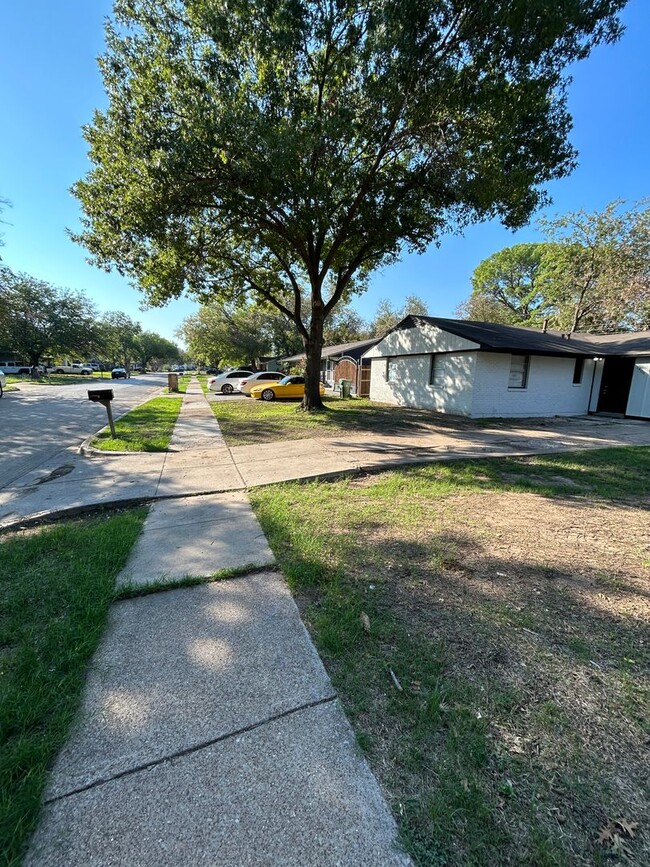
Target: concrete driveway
366 451
38 421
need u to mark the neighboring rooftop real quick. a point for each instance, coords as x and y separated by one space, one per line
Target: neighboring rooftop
338 350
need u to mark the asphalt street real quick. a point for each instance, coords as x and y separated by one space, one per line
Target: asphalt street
38 421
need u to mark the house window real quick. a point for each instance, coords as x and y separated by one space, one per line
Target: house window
437 370
578 369
390 370
518 371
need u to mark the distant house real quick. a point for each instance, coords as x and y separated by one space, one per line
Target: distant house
343 361
480 369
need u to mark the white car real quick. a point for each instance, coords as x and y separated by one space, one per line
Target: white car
259 378
228 381
3 382
75 367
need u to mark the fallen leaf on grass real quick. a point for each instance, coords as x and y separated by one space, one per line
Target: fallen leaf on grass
365 621
611 834
627 827
606 834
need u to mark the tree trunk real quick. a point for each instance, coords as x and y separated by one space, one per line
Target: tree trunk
313 349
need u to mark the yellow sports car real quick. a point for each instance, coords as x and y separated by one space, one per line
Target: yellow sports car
290 386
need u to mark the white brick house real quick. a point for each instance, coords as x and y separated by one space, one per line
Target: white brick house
479 369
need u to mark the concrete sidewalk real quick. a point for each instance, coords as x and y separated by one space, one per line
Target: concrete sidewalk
210 733
199 462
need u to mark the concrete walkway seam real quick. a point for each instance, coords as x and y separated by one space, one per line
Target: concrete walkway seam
136 769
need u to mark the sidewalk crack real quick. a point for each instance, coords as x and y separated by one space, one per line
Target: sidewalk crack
187 751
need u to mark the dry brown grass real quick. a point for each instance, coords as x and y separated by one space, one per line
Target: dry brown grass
518 624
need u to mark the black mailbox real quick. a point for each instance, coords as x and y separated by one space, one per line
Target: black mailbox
99 395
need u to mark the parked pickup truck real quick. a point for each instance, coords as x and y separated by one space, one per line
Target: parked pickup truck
80 369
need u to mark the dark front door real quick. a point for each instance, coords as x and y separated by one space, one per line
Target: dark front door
615 385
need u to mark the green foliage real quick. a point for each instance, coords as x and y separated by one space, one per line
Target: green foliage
39 319
153 347
387 315
508 287
120 337
290 148
232 334
344 325
599 268
592 274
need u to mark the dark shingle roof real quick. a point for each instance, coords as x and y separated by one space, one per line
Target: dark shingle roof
338 349
493 337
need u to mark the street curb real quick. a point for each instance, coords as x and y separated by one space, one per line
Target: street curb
51 516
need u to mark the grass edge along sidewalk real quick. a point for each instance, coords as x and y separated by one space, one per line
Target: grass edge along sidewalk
147 428
56 586
459 685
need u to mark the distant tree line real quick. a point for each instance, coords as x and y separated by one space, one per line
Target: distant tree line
40 321
229 334
592 273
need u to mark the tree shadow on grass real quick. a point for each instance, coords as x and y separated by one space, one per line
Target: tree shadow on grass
519 725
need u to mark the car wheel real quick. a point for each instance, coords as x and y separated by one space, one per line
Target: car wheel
0 389
227 388
58 370
268 394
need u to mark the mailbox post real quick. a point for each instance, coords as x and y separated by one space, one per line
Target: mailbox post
104 396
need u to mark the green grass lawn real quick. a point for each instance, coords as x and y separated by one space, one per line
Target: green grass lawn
147 428
501 693
58 379
249 422
56 584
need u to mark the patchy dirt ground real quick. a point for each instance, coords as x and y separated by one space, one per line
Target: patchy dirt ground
487 626
543 605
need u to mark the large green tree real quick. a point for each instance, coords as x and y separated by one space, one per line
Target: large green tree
40 319
154 348
591 274
344 325
387 315
510 287
289 147
232 334
598 268
120 336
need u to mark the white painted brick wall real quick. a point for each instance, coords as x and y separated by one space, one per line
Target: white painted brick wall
423 338
550 390
410 386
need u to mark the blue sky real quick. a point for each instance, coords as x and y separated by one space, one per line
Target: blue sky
49 87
